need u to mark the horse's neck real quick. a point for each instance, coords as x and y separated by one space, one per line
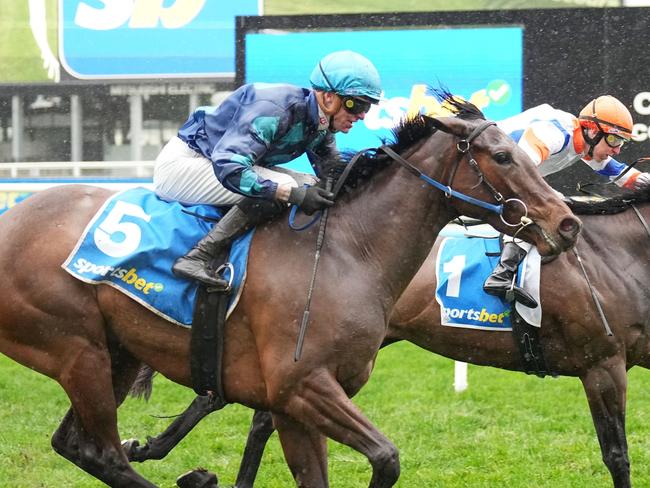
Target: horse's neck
615 250
392 224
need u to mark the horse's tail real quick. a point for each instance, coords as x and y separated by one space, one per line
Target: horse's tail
143 384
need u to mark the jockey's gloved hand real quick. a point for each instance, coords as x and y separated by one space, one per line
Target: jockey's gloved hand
311 199
642 181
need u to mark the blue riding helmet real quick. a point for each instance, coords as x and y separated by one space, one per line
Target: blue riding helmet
347 73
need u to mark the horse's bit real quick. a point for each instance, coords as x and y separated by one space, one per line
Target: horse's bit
464 148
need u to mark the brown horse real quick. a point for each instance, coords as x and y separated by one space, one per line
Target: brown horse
616 255
93 339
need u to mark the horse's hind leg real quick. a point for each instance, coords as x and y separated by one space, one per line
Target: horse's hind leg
606 386
158 447
323 404
88 435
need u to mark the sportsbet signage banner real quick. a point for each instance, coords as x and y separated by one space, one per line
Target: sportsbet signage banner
150 38
50 40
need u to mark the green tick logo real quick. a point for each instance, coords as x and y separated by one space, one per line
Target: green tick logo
499 92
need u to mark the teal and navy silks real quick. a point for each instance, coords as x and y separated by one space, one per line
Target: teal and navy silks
258 124
132 242
462 265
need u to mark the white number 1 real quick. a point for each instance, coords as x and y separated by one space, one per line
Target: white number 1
455 269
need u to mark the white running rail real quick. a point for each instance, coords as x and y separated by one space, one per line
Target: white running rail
78 169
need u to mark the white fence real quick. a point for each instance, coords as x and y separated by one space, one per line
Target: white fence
90 169
114 175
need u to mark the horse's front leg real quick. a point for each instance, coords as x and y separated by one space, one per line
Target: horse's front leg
305 450
320 404
606 386
258 435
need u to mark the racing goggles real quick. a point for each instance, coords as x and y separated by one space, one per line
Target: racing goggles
355 105
614 140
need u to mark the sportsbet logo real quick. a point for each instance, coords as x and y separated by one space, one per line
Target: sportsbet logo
128 276
477 315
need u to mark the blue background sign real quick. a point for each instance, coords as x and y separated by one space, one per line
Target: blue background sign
130 39
483 65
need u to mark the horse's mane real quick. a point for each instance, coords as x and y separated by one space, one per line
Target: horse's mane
609 206
407 133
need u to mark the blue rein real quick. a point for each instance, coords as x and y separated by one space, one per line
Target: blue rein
463 147
292 219
450 192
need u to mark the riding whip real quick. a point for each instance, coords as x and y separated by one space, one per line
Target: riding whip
603 319
319 245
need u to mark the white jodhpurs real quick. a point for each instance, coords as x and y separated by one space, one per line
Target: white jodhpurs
183 175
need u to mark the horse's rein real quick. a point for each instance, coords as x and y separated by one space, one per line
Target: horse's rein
643 221
464 148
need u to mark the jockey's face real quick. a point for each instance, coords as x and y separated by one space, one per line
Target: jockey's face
344 120
602 150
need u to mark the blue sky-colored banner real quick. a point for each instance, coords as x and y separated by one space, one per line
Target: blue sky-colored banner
483 65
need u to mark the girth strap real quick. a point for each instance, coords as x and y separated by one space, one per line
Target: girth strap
206 345
208 335
526 337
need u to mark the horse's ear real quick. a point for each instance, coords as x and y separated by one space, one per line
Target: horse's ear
449 125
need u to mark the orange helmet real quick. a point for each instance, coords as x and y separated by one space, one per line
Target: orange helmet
607 114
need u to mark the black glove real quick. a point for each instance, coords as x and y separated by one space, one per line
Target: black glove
311 199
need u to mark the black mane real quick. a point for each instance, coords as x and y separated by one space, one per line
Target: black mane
609 206
406 134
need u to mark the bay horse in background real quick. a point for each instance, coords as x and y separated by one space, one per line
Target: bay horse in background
615 250
92 340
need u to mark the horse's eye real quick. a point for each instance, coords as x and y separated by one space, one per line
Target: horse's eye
503 158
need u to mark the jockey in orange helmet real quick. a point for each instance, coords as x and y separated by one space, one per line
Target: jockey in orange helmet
555 140
605 118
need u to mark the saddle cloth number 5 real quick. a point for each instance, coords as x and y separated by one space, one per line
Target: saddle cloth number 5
107 235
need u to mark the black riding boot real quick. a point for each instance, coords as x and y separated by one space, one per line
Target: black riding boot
501 281
237 220
194 264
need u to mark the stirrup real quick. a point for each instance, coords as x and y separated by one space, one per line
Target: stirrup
227 287
522 296
511 294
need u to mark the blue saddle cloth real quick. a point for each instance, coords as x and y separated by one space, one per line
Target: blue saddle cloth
132 242
462 265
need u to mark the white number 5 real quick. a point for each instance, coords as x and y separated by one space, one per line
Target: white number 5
106 232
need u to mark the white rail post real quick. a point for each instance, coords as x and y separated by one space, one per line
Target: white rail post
460 376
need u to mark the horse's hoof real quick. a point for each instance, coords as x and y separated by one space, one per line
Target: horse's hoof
198 478
130 447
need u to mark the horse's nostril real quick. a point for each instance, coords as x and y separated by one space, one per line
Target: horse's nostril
570 226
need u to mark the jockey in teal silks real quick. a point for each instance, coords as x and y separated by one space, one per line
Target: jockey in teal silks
226 155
